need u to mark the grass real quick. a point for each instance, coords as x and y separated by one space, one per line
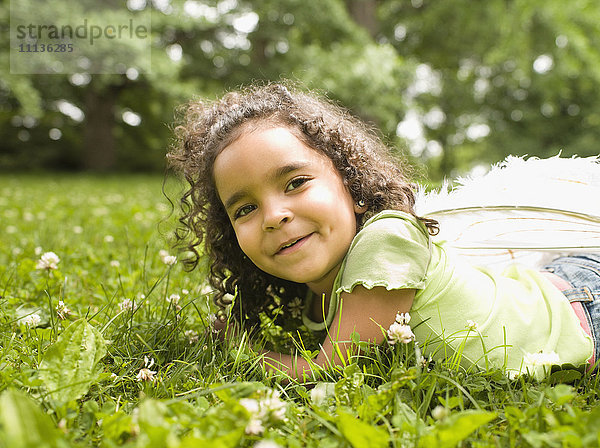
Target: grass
121 352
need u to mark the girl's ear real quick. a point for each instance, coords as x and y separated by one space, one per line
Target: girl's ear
360 207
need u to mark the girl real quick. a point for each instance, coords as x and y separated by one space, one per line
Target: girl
296 201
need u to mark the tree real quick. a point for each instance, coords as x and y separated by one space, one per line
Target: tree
76 118
515 77
204 48
452 82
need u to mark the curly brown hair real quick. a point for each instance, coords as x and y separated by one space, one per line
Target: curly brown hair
365 163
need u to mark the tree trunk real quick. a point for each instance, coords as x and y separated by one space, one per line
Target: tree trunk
364 12
98 138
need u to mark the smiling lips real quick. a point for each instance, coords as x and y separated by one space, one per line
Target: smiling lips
292 245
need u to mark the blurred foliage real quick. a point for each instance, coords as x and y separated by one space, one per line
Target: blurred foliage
452 83
526 69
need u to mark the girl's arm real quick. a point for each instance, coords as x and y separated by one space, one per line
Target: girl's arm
365 311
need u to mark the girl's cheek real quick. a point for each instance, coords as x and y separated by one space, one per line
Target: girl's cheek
326 197
245 238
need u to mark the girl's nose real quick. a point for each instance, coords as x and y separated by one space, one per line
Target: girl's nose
275 216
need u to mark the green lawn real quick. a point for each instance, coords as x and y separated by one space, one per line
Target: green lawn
111 348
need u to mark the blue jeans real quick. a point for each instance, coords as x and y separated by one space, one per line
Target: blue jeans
582 272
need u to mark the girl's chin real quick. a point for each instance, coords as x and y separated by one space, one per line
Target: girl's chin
300 276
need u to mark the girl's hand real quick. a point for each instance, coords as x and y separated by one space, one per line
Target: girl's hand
368 312
225 329
219 325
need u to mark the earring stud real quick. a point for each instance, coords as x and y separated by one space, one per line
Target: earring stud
361 203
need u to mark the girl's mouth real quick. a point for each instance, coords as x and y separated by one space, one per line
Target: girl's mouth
293 245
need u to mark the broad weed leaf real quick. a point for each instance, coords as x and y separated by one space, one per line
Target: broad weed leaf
155 429
117 426
561 393
229 440
361 434
564 376
23 422
456 428
69 366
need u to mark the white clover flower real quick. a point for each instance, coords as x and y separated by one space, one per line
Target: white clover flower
170 260
115 263
109 239
271 407
206 289
62 311
166 258
254 427
145 374
425 362
295 307
212 318
440 412
541 359
400 333
191 335
174 299
38 251
251 405
472 325
77 229
318 394
185 292
267 444
148 362
274 405
48 261
127 304
403 318
33 320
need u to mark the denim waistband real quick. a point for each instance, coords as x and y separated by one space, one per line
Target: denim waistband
565 287
578 276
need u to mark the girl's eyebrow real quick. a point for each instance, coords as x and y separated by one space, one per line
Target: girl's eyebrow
276 174
286 169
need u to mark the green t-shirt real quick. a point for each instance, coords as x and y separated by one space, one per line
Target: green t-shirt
517 311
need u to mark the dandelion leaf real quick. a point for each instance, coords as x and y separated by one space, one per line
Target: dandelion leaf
455 429
22 422
361 434
69 366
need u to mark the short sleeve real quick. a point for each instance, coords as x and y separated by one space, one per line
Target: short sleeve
392 250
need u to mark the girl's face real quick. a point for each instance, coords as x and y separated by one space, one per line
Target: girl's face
290 210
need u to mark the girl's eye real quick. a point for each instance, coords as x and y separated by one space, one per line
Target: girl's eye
296 183
243 211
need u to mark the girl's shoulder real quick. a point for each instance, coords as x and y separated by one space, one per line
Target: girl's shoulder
390 214
392 249
392 224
